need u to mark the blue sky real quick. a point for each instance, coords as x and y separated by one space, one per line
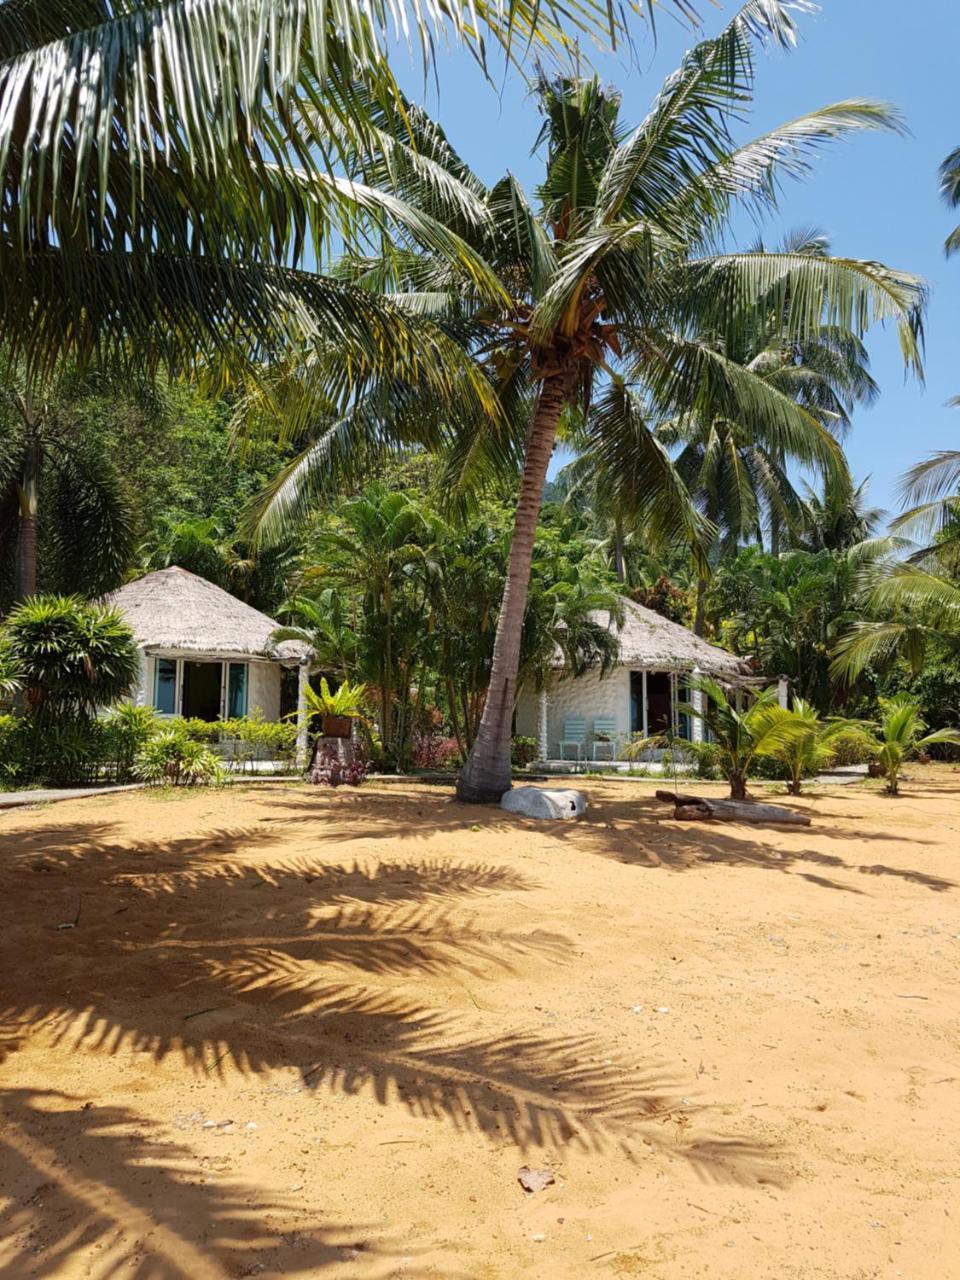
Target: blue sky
875 195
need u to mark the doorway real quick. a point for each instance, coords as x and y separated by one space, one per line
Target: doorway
201 690
659 703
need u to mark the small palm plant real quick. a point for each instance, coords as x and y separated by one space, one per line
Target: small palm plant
809 749
740 738
900 734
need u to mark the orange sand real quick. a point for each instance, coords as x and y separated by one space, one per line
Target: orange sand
302 1034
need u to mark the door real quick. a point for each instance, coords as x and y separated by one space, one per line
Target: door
202 682
659 703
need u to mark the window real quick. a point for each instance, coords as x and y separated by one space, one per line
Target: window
165 686
237 689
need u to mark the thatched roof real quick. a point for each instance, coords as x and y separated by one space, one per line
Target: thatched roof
649 640
173 610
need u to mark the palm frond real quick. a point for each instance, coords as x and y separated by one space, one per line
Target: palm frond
754 172
640 480
185 84
808 292
183 310
934 477
694 378
687 129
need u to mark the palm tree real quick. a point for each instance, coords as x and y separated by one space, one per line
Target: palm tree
324 623
382 542
601 294
739 473
808 748
741 737
930 491
836 519
910 609
167 167
47 461
900 734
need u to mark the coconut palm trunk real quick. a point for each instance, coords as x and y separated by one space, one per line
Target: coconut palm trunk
27 493
700 615
487 774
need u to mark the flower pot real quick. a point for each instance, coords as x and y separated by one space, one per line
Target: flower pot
337 726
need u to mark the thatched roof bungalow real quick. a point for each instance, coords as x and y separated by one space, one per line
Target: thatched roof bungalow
640 695
204 652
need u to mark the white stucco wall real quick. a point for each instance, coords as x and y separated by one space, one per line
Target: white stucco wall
263 689
588 695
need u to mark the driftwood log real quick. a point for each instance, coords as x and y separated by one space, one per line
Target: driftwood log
699 808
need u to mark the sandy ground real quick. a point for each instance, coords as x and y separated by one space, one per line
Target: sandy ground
282 1032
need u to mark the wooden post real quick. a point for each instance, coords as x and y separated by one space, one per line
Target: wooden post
643 683
783 692
543 743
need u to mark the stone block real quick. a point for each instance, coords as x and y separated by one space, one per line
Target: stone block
544 802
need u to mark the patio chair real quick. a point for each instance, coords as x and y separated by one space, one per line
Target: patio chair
605 735
574 735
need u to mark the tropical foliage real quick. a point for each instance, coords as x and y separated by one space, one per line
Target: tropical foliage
605 297
809 746
740 736
167 167
359 446
901 733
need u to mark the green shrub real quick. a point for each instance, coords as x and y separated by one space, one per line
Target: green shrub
853 746
205 731
244 738
11 749
72 659
259 738
173 758
72 656
771 769
523 751
124 732
707 761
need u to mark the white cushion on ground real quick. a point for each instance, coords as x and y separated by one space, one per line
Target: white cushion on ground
542 802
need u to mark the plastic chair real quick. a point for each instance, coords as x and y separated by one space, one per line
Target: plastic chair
574 735
605 729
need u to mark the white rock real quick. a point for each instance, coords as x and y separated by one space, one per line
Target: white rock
544 802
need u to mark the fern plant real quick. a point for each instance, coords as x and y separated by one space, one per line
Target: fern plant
347 703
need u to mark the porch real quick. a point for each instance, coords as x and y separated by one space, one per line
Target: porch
591 719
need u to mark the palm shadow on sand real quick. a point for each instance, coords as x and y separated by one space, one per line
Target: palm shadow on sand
188 949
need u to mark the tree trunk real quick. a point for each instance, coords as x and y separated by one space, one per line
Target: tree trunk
738 787
26 582
454 719
487 774
700 616
618 565
28 495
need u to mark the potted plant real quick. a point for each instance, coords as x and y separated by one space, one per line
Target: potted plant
337 710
